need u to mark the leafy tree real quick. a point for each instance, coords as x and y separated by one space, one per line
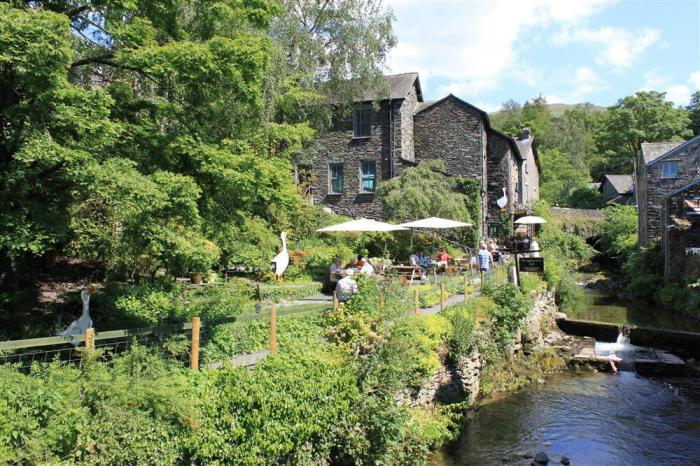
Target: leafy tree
585 198
509 118
423 191
694 110
559 176
642 117
618 232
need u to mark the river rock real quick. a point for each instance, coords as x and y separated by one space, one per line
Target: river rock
541 458
565 460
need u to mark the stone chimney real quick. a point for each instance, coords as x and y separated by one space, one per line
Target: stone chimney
526 134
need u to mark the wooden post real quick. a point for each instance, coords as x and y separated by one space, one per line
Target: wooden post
442 296
90 338
517 269
466 287
381 305
417 300
194 351
335 301
273 331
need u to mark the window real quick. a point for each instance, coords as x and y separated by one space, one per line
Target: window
368 177
362 123
335 178
669 170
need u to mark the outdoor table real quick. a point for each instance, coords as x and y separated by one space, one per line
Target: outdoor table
407 270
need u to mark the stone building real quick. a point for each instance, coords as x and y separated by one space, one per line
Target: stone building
662 168
681 232
385 135
618 189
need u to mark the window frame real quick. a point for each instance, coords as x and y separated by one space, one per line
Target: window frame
373 163
358 122
332 165
669 163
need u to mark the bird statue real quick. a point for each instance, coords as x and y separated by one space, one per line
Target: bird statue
502 201
281 260
84 322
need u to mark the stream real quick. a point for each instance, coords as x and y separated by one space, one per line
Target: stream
593 419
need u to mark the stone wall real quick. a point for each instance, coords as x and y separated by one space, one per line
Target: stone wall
678 239
502 172
339 146
460 380
657 188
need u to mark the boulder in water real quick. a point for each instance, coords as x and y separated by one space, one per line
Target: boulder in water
565 460
540 459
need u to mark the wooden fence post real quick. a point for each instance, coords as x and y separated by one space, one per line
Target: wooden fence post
273 330
335 301
442 296
90 338
194 351
417 300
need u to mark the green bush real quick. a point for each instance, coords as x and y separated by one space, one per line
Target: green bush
461 341
509 314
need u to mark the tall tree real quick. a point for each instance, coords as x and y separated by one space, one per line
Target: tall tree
694 110
642 117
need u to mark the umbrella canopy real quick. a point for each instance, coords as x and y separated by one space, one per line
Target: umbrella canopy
530 220
435 223
362 224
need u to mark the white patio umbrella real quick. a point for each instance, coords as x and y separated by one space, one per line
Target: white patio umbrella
530 220
362 225
435 223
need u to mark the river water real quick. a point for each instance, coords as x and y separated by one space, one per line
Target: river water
594 419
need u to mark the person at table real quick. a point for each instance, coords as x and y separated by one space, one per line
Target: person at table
484 258
416 260
346 287
360 261
495 253
443 259
367 268
336 270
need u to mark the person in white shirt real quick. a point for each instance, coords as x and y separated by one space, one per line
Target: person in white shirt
346 286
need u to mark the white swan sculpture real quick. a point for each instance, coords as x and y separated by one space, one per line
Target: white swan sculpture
502 201
84 322
281 260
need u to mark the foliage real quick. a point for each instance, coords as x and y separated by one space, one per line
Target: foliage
462 339
559 176
694 110
645 116
585 198
509 314
618 232
423 191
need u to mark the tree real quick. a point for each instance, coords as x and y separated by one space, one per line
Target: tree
537 116
585 198
694 110
423 191
642 117
509 118
618 232
559 176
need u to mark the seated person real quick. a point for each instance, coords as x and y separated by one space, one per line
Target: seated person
443 259
367 268
360 261
416 260
336 270
346 286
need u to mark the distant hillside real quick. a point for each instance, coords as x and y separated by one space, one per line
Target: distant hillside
558 109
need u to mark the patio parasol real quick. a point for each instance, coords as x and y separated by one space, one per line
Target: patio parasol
362 225
435 223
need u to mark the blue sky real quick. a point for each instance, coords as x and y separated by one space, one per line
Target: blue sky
570 51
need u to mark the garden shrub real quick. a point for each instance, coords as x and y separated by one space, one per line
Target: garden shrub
461 341
509 314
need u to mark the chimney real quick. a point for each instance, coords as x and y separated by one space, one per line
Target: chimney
526 134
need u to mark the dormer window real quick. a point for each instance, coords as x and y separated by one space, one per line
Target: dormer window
669 170
362 123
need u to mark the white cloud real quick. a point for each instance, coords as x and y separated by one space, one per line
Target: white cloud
473 44
620 47
584 82
679 94
695 80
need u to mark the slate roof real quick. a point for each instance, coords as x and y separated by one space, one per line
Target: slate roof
420 106
398 87
683 188
622 184
676 150
653 150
